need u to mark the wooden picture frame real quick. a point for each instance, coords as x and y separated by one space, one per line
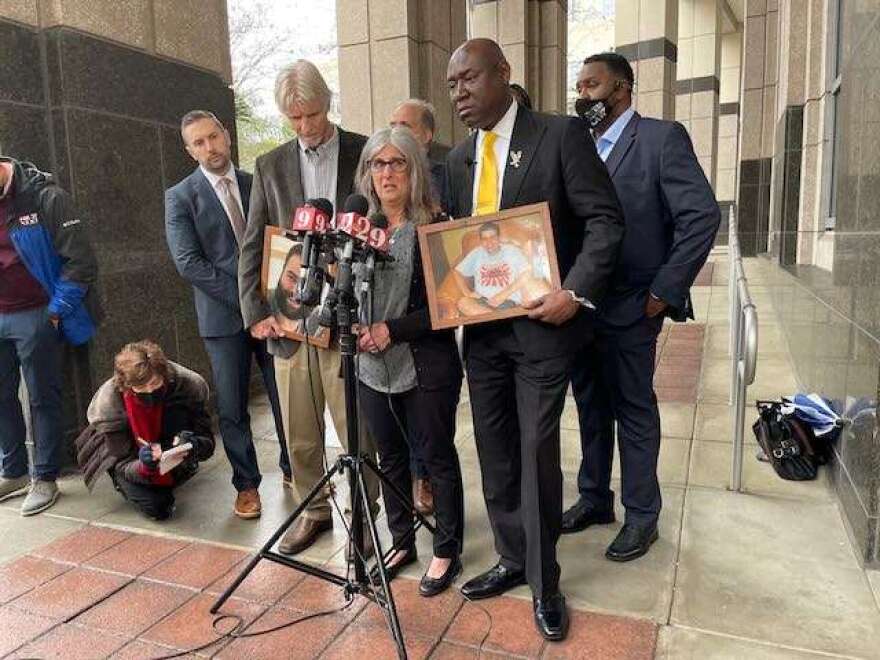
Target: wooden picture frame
493 277
278 243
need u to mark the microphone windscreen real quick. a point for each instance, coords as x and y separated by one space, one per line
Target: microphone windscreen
356 204
322 205
379 219
581 106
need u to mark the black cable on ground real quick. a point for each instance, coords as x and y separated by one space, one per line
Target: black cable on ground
238 630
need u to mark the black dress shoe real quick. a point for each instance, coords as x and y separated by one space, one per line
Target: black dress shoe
409 557
551 617
432 586
582 515
493 582
631 542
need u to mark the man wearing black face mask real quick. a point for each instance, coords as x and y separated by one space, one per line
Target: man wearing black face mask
671 220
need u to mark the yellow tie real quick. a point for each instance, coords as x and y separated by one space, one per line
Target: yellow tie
487 194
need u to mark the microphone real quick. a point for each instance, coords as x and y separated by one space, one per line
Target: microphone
349 222
311 221
379 221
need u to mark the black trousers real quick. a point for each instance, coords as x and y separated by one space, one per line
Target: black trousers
429 418
516 405
231 359
153 501
613 380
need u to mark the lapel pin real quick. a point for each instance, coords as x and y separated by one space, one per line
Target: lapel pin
515 158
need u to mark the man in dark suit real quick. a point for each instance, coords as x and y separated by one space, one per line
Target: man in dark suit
518 369
204 225
319 163
671 220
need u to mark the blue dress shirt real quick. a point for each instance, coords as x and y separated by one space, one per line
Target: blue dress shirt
605 143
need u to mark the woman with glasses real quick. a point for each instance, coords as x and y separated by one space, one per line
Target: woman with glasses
410 376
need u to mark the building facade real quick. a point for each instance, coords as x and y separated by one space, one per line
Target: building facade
780 98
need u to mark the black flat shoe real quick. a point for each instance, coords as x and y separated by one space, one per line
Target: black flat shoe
631 542
411 557
581 515
551 617
493 582
432 586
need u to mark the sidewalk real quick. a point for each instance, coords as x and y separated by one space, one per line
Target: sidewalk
768 573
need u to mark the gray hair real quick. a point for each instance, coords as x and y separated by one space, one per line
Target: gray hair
193 116
427 111
300 82
420 205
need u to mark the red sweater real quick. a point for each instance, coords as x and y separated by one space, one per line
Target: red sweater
146 423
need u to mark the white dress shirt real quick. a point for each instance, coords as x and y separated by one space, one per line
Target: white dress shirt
319 169
504 132
214 180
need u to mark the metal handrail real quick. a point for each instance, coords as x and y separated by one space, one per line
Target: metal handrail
743 347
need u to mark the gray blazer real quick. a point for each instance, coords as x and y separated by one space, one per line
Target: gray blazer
277 190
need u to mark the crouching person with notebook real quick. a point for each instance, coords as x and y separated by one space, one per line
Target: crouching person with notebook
140 423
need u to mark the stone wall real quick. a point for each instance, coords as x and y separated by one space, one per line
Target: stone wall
103 116
826 289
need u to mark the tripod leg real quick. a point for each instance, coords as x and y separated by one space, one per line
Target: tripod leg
274 538
388 606
398 494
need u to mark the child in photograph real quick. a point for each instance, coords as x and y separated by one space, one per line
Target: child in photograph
502 275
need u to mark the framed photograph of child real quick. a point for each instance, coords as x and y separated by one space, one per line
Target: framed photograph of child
484 268
282 258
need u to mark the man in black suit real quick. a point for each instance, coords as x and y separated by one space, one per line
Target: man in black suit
518 369
319 163
671 219
204 226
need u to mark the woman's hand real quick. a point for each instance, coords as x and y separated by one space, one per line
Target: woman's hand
381 335
374 339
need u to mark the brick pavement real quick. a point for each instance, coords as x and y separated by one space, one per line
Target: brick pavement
100 592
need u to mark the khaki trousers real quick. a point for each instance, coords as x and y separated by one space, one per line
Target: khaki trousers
306 381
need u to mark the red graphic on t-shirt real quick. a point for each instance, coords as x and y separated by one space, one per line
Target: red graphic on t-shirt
496 275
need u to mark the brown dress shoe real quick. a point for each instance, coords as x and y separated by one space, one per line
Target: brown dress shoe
247 504
304 533
423 497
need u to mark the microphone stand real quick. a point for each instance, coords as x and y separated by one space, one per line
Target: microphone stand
355 464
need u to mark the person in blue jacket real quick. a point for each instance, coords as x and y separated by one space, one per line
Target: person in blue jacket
47 276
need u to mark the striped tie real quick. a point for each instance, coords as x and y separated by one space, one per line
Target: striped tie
236 218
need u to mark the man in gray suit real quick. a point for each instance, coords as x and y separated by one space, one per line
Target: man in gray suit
204 224
319 163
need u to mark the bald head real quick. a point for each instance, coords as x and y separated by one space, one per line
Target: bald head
485 50
478 75
418 116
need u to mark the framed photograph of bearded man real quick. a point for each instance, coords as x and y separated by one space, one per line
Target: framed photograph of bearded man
484 268
282 258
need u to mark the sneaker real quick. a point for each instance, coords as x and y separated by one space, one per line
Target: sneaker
13 487
40 497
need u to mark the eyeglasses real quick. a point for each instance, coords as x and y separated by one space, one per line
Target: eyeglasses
378 165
